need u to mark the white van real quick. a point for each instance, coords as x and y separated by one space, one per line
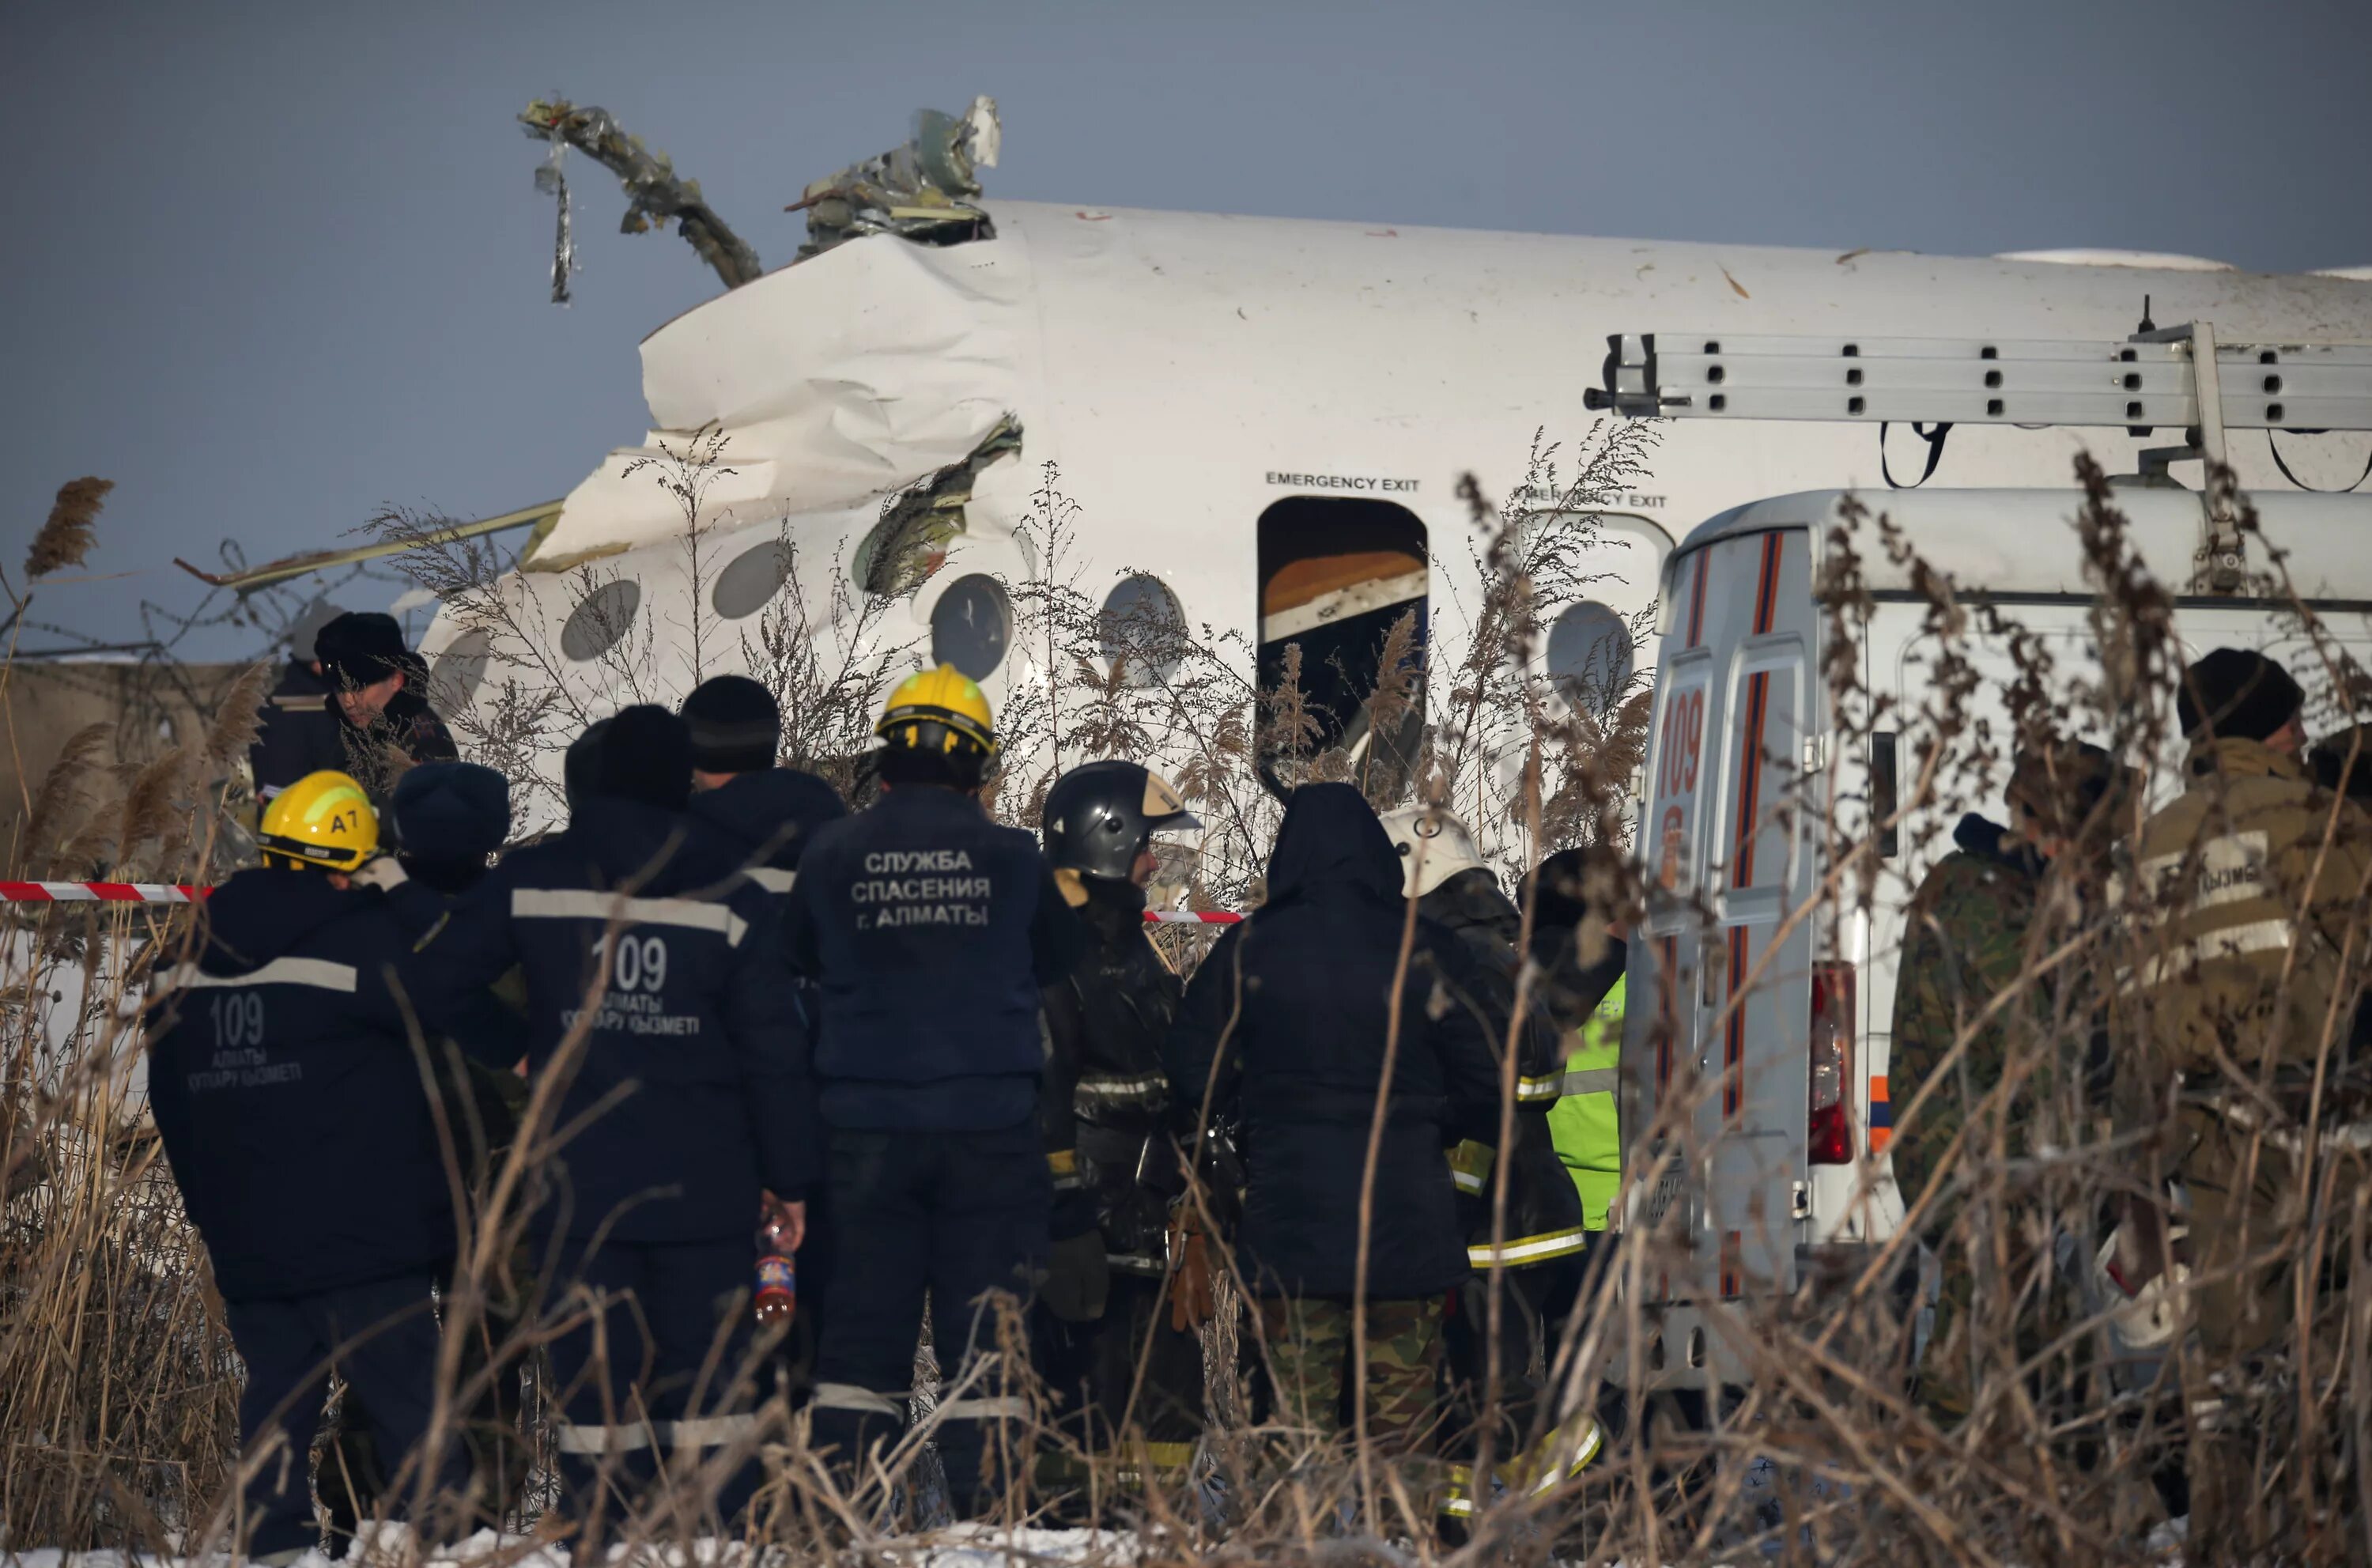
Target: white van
1790 1169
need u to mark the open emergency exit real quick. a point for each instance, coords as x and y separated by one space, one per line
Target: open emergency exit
1336 575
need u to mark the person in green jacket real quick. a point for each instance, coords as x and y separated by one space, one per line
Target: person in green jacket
1579 967
1585 1124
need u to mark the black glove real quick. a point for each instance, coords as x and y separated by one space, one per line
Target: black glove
1078 1278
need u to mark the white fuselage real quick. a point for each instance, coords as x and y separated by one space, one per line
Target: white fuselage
1183 373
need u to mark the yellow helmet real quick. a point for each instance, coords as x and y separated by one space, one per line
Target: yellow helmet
938 710
323 819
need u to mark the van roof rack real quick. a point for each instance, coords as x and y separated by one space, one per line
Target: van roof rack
2181 376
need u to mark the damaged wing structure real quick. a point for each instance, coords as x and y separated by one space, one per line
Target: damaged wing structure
922 192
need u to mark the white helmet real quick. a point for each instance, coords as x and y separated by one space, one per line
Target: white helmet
1434 845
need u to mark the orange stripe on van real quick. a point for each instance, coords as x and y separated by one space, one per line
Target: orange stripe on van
1696 597
1766 586
1733 1262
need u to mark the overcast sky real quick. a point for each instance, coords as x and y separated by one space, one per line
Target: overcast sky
270 267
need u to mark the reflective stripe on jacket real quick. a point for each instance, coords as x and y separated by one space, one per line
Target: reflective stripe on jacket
1584 1123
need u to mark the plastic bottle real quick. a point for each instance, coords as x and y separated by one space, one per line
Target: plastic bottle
777 1299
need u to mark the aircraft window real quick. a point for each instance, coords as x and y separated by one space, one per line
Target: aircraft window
751 579
971 625
453 678
1589 656
1142 623
600 619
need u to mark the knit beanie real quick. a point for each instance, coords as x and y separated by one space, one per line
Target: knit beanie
580 765
456 811
735 726
2236 694
645 755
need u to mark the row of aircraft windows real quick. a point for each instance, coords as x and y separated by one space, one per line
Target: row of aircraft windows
1589 647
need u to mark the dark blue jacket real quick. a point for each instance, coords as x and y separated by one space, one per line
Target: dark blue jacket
299 731
692 1070
772 814
928 930
284 1079
1288 1020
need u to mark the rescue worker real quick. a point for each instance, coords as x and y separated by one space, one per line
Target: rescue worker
1586 999
770 813
1286 1023
655 996
1970 935
1539 1255
1107 1297
280 1057
381 689
928 931
298 732
2244 890
449 819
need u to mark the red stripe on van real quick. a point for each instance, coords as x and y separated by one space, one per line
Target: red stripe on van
1696 595
1733 1047
1733 1261
1749 778
1766 587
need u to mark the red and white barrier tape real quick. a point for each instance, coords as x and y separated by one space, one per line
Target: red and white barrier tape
100 893
183 893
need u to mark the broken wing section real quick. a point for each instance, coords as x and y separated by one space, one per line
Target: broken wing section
839 381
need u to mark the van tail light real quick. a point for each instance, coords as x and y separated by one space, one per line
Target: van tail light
1830 1065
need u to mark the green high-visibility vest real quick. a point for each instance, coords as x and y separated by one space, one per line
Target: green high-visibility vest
1585 1123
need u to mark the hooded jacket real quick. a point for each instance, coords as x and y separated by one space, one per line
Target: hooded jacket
1545 1216
927 930
696 1043
284 1080
1289 1017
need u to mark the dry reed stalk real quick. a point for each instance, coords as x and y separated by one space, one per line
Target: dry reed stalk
67 534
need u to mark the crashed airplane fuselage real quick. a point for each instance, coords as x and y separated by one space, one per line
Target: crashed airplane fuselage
1262 423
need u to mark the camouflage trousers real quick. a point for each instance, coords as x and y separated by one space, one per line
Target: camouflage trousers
1310 1347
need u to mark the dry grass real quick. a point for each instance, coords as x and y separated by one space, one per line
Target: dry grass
117 1383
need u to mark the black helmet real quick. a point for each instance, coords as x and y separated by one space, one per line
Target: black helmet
1098 816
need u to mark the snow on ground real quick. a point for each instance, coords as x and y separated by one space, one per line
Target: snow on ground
957 1546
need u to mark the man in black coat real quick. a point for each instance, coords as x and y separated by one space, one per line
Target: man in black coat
1289 1020
1109 1300
1540 1250
380 689
655 996
281 1064
928 930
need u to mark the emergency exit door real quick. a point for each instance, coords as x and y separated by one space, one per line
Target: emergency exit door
1336 575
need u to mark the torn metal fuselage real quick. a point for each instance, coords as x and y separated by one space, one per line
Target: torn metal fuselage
922 191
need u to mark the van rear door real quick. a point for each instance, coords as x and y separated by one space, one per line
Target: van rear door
1722 841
